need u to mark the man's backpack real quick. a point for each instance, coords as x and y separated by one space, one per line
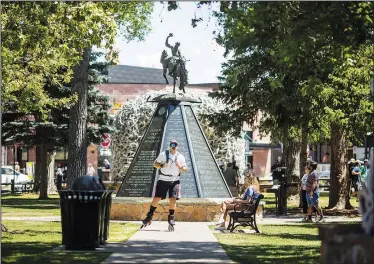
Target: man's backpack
167 152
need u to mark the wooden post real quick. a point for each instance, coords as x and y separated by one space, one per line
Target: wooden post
12 187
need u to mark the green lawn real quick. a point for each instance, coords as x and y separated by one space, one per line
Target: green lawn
276 244
293 204
28 242
15 205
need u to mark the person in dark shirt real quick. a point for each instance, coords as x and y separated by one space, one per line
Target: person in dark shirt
231 177
276 169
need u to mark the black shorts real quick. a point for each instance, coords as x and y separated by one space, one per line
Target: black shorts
171 187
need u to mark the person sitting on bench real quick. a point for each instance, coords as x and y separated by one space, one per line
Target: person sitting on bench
253 188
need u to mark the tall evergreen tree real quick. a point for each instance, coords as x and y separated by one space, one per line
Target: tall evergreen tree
41 37
50 135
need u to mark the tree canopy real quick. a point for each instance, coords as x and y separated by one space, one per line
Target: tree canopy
41 38
305 67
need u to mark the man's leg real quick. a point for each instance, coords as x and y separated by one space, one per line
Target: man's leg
160 193
172 203
152 210
155 201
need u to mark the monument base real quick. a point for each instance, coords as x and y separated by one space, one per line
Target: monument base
188 209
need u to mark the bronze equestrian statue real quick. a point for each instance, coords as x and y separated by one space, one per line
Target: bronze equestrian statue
175 65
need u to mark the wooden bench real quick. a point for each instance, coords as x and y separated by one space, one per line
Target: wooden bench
247 216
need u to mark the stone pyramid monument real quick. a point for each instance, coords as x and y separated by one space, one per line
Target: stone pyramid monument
174 118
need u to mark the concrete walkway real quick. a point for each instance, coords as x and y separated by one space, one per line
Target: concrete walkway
191 242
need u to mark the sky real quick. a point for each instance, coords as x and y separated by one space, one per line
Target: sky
197 44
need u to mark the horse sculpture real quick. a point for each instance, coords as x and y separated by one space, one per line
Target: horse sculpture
177 70
175 65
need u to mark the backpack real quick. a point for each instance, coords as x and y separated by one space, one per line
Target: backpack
167 152
167 155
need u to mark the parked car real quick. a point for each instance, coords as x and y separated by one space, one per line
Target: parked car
324 175
8 173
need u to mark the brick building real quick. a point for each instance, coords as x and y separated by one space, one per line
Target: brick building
127 82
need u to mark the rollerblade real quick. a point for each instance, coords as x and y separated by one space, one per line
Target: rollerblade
171 220
147 221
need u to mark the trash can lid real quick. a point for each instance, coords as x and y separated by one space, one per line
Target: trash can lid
88 183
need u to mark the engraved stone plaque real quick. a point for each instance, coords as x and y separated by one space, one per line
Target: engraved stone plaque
175 129
210 176
175 120
140 175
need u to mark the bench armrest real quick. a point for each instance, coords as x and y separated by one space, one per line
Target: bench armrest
242 205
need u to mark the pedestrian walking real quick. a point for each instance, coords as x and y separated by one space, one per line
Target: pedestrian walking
312 192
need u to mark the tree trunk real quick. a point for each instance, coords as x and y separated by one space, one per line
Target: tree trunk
38 160
78 122
43 172
291 149
304 146
51 173
339 180
303 153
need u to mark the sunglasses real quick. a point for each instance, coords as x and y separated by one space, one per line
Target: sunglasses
173 145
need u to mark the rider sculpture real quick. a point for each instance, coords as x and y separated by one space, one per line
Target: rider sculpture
174 64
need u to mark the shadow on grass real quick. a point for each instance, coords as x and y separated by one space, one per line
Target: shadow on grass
273 254
33 253
12 252
19 201
276 244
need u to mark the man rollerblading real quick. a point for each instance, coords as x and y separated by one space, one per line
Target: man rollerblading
170 164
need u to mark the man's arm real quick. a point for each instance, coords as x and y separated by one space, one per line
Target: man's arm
158 165
160 162
167 41
181 164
